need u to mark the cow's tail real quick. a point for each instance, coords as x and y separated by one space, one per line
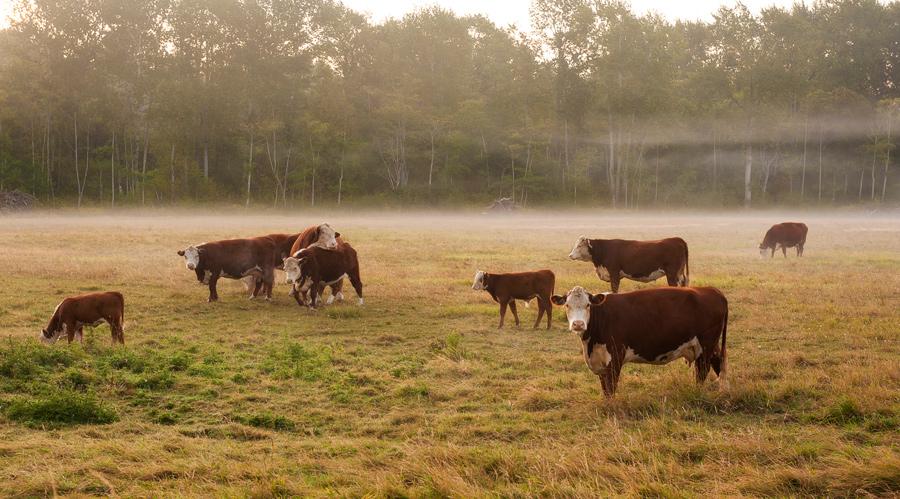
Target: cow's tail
686 277
723 369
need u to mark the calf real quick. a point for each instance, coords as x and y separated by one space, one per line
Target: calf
314 267
505 289
90 309
323 236
649 326
784 235
643 261
234 259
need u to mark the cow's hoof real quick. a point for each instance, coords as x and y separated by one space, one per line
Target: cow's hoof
210 300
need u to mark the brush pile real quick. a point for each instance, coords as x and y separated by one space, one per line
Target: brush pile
501 205
16 201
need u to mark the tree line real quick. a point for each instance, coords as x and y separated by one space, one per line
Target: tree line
306 103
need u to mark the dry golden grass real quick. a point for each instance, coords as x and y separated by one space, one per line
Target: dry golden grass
417 394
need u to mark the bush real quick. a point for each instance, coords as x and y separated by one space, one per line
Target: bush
61 407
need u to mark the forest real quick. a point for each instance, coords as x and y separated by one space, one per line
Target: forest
307 103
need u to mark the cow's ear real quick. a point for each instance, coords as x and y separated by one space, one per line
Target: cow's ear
180 252
558 300
337 234
598 299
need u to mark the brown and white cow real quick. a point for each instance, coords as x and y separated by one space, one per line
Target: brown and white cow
311 269
784 235
649 326
322 235
505 289
233 259
643 261
90 309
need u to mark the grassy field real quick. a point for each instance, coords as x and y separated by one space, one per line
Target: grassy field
417 393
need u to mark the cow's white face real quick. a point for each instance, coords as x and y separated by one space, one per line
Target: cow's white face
478 285
292 269
191 257
578 307
582 250
50 337
762 252
327 237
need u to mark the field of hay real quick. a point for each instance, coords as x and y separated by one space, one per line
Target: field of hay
417 393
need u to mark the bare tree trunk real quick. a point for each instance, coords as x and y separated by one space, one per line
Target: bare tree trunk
172 175
874 160
803 162
284 183
341 177
887 156
249 170
112 171
656 179
715 162
820 163
748 169
77 176
431 165
144 162
205 160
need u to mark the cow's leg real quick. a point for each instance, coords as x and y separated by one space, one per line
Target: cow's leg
512 306
672 277
69 328
614 279
357 283
609 378
784 250
295 292
540 303
799 250
703 365
258 283
773 252
268 282
79 333
213 294
336 293
502 313
548 308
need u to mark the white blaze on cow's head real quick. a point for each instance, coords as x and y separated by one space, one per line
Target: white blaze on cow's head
578 304
292 270
327 237
191 257
50 337
478 284
582 249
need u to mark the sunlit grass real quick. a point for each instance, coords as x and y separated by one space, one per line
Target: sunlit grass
417 393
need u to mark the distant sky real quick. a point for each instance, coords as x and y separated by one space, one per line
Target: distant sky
504 12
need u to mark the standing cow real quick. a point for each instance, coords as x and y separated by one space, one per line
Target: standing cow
90 309
507 288
234 259
649 326
321 235
643 261
784 235
311 269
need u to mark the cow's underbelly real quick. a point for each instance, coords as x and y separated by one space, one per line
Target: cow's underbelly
89 324
688 350
603 274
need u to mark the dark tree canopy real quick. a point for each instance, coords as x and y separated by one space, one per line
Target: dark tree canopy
306 102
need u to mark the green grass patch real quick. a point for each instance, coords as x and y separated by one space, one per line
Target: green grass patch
61 407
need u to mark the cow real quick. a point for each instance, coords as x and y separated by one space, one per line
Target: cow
90 309
321 234
312 268
505 289
234 259
643 261
784 235
649 326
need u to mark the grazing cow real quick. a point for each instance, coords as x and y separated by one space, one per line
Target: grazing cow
643 261
312 268
505 289
648 326
89 309
784 235
234 259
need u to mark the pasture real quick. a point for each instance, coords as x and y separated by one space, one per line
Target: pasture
417 393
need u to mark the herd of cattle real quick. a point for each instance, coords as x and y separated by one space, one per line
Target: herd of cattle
649 326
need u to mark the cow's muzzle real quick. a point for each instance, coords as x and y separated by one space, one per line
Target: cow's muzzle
191 266
578 326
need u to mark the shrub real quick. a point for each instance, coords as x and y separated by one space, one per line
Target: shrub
62 407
